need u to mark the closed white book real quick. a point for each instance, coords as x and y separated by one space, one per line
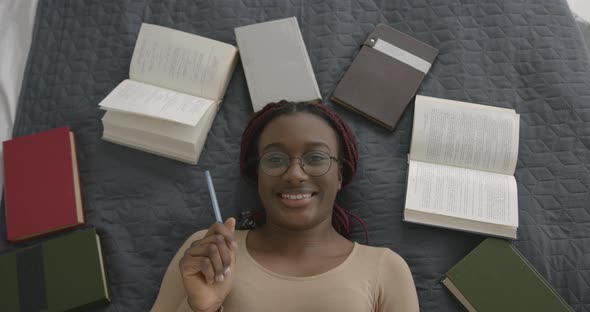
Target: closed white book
461 167
176 84
276 63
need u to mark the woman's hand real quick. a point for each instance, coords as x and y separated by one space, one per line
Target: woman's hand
207 267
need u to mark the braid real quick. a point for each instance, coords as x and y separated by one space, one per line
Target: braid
253 129
341 218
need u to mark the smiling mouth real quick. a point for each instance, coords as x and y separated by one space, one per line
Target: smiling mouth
296 196
296 200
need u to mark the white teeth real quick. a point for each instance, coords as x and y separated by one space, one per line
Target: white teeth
295 196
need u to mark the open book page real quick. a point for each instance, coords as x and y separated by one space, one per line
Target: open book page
147 100
183 62
465 135
463 193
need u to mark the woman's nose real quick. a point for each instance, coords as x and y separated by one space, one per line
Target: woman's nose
295 172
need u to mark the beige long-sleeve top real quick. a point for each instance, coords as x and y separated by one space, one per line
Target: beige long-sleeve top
370 279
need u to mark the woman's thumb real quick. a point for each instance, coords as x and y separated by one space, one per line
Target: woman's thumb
230 224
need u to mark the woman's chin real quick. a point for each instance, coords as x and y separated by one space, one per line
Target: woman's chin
299 220
296 214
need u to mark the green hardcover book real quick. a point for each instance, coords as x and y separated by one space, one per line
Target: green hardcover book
62 274
496 277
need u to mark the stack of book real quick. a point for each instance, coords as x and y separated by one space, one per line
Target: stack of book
43 196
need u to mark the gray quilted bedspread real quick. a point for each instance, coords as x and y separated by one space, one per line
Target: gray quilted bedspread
523 54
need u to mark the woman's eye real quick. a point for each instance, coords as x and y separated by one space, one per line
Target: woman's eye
275 159
315 158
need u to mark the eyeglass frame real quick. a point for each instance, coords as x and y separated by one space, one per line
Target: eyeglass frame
300 163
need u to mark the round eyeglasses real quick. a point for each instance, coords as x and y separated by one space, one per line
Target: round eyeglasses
315 164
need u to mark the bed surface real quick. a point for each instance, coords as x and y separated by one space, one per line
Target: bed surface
17 19
527 55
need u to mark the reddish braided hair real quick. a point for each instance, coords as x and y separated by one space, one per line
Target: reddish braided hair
348 155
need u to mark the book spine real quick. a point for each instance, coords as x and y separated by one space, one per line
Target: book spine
307 59
448 282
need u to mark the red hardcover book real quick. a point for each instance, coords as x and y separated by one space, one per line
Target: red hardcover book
41 187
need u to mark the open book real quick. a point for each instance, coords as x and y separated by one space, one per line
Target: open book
176 83
462 161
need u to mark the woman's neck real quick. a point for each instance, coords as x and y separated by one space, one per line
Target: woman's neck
271 237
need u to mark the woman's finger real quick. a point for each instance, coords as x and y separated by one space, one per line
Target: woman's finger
216 262
207 270
218 255
195 265
224 252
227 230
199 248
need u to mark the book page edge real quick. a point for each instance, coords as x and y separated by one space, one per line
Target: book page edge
77 191
457 293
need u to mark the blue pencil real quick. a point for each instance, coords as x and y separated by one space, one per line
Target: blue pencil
213 197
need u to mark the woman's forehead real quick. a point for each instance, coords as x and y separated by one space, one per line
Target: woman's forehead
298 130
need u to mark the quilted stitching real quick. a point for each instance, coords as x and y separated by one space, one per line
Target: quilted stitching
521 54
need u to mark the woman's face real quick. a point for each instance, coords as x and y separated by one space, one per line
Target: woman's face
296 200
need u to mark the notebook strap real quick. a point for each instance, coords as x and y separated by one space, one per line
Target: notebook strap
401 55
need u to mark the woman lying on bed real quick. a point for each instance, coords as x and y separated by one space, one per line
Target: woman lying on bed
298 259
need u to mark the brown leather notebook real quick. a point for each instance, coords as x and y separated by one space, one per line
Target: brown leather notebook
385 75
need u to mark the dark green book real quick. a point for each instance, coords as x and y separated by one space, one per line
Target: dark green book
62 274
496 277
